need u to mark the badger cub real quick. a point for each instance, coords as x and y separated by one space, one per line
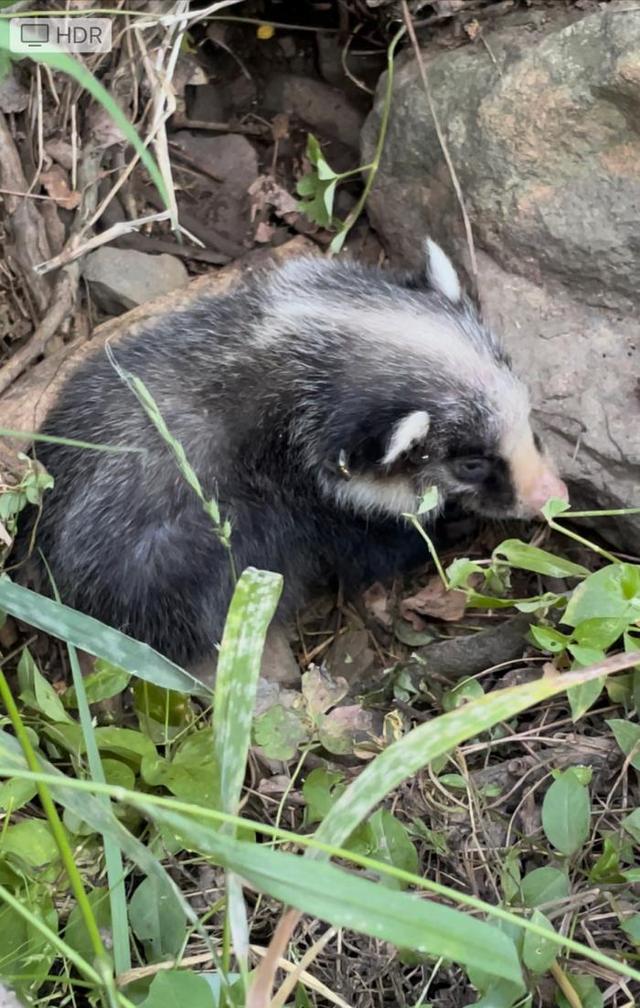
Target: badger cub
317 404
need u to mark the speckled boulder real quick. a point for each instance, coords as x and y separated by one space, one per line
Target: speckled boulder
543 131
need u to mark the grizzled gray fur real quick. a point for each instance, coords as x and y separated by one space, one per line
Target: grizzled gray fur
316 404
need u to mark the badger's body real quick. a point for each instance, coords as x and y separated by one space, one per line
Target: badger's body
316 404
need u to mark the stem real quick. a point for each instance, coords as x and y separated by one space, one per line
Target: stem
353 215
613 513
432 550
583 542
62 843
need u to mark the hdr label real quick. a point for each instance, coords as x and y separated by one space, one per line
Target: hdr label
60 34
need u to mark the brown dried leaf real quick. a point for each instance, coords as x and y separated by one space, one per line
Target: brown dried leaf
343 728
377 602
433 600
472 29
280 126
61 151
266 192
56 182
321 691
264 233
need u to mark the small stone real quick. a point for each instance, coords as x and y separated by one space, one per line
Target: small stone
123 278
323 108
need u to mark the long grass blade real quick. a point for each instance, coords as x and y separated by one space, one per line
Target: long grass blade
94 637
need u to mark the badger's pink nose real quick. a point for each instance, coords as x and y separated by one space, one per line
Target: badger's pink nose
547 485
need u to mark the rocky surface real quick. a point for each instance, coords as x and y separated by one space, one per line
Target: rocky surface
543 131
326 108
123 278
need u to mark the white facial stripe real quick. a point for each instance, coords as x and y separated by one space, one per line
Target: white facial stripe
407 432
368 495
441 274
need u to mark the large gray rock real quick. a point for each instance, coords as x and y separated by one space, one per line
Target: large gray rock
123 278
543 134
544 141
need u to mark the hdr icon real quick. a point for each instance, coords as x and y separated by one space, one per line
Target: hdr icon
60 34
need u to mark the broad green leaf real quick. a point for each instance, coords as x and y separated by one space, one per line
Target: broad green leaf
157 920
429 500
94 637
538 954
631 927
126 743
74 68
279 731
606 869
385 838
586 656
118 773
566 813
500 994
627 735
531 558
252 608
25 954
599 633
464 691
320 790
631 823
36 692
613 592
105 682
76 934
31 840
171 988
510 875
459 572
347 900
554 507
16 793
544 885
549 639
587 990
581 698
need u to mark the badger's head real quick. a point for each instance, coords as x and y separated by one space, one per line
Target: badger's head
431 400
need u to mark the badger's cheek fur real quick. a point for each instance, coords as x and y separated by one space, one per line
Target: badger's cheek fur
371 494
534 477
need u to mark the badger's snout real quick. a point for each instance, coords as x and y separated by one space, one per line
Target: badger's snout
547 485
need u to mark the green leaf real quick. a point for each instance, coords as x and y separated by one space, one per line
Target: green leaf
157 920
105 682
606 870
554 507
612 592
581 698
388 841
566 813
522 555
179 987
36 692
459 572
627 735
279 732
548 639
16 793
544 885
429 500
75 933
30 840
538 954
587 990
347 900
320 790
25 954
251 610
631 823
599 633
631 927
94 637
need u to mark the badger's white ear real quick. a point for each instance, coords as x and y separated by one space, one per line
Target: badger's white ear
407 432
441 273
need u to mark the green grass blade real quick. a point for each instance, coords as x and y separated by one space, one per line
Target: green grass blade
252 607
112 853
67 64
215 817
419 747
346 900
97 639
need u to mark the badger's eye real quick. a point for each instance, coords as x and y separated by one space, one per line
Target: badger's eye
472 469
